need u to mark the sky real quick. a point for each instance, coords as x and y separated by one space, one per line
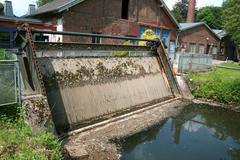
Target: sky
20 7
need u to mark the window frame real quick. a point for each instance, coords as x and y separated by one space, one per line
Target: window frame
96 40
201 45
190 47
213 50
125 10
11 32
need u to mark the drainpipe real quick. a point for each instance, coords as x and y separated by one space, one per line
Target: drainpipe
176 44
137 18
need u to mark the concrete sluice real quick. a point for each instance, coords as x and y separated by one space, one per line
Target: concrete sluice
85 84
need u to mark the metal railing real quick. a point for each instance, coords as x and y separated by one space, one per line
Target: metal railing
91 35
194 62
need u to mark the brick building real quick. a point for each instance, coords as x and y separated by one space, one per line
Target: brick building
9 23
228 49
114 17
198 38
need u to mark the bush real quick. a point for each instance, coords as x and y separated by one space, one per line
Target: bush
19 141
222 85
5 56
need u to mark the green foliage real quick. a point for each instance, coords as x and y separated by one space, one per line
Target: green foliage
222 85
231 18
123 54
234 65
180 10
19 141
5 56
42 2
212 16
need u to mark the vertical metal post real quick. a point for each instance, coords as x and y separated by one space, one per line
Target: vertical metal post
15 81
19 82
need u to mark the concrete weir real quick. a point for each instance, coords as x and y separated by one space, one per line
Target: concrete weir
93 87
86 84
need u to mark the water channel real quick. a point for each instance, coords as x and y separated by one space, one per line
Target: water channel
197 133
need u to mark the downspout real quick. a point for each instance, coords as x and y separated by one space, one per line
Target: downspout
177 44
137 18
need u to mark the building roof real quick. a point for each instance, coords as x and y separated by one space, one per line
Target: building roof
58 6
29 20
187 26
220 33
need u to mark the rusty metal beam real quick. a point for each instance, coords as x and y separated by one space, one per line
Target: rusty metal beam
168 70
91 35
88 46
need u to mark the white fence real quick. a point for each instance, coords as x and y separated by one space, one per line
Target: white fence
193 62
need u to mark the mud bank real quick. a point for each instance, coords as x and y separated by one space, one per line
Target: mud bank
98 143
211 103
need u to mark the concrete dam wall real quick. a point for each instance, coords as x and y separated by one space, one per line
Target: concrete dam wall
83 90
89 83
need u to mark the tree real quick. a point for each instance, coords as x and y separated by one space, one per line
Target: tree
212 16
180 10
231 19
42 2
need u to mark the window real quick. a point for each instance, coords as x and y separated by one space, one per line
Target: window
214 50
42 38
5 41
165 38
96 40
125 4
201 49
192 47
172 47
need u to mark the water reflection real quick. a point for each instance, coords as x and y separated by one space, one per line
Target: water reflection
207 132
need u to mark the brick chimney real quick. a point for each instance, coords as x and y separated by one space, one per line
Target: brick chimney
31 9
1 9
8 9
191 11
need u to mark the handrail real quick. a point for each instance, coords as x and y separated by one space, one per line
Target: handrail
90 35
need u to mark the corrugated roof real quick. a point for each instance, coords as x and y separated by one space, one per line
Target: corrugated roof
56 6
52 6
7 18
187 26
220 33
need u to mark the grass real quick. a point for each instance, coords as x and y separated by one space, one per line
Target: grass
218 84
19 142
231 65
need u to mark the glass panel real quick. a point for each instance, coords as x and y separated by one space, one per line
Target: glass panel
96 40
172 47
201 49
4 39
165 37
214 51
192 48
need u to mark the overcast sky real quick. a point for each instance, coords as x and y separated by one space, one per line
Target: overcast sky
20 7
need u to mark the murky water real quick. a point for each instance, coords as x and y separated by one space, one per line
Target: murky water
198 133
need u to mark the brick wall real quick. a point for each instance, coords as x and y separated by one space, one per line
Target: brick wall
104 16
198 35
